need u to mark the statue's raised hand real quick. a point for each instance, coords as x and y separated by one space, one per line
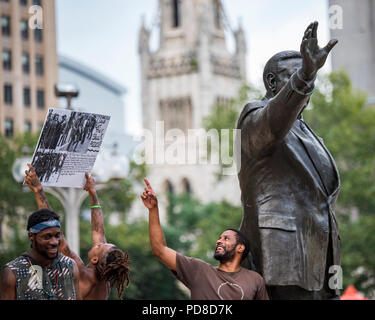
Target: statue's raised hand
313 57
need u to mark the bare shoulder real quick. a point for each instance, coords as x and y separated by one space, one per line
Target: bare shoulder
7 284
7 275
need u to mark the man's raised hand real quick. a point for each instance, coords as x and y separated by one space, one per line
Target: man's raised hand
90 184
313 57
32 179
149 196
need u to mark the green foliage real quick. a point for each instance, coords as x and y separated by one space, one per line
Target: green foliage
340 115
13 201
19 244
358 259
346 124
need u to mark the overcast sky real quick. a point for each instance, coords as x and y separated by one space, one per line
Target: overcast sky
104 35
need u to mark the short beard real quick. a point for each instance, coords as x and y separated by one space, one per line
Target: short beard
226 256
43 253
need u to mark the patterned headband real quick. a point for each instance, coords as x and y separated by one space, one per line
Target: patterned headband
44 225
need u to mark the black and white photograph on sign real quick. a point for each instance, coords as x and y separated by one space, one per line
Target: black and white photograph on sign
68 146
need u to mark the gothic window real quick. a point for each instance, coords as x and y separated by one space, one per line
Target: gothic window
176 113
168 187
217 8
176 6
186 187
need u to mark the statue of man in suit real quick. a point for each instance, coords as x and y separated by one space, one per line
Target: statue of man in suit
289 180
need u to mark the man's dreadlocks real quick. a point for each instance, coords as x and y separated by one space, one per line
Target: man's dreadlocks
116 269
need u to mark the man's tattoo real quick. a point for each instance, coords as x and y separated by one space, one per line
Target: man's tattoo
97 224
35 182
95 199
43 199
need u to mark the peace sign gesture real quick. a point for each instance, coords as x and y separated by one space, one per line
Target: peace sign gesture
149 196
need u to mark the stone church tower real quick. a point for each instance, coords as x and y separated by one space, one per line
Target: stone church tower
190 72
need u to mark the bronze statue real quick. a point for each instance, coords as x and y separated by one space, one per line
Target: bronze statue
289 180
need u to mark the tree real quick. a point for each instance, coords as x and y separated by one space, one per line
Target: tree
358 260
341 117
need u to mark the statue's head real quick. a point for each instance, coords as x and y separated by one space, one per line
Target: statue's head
279 69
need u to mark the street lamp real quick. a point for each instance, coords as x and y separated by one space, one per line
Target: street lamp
67 91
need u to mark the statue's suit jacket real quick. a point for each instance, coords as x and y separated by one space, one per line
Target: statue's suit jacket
288 204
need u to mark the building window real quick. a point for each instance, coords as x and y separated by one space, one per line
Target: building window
186 187
9 128
7 60
176 13
38 35
25 62
8 94
27 127
23 3
40 99
39 65
24 30
5 25
217 8
26 97
168 187
176 113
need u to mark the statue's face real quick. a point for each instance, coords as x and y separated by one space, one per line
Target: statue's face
285 71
